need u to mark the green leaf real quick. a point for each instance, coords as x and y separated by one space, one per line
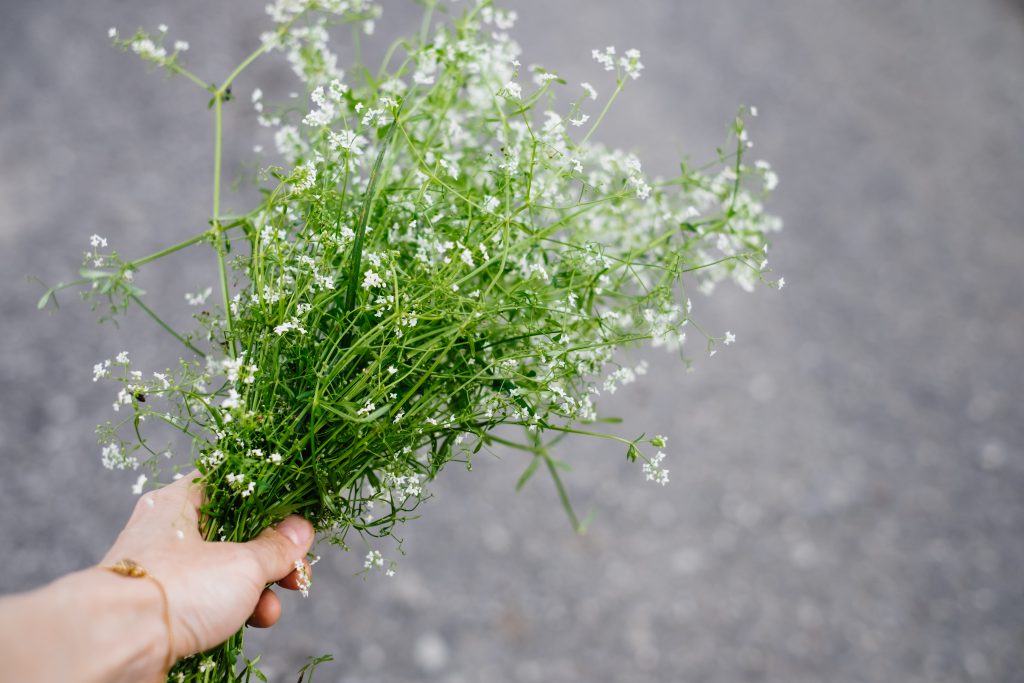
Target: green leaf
528 472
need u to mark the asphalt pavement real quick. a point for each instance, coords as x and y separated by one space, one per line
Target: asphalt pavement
847 494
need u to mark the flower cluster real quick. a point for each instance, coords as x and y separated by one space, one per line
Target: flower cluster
441 253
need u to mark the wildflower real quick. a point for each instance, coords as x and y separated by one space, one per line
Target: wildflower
113 457
373 559
100 370
729 338
181 46
112 32
392 369
589 89
606 58
233 401
122 358
782 282
139 483
372 279
289 325
348 141
514 90
199 298
275 458
147 49
97 241
124 397
654 471
490 204
631 63
579 120
303 177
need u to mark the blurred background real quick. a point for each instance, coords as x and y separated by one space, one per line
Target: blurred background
847 495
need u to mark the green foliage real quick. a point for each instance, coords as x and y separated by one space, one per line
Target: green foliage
439 255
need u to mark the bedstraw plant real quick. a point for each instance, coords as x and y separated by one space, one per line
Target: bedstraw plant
442 249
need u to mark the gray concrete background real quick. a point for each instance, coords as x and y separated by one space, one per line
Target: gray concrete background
847 496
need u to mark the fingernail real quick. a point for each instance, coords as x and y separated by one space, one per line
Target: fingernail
297 530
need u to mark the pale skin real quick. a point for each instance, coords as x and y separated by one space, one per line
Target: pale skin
96 626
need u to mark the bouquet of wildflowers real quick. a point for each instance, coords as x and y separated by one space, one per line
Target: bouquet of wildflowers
442 251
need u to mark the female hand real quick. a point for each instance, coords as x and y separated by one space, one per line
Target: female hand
212 587
96 626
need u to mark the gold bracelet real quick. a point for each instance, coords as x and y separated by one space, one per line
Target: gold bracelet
134 570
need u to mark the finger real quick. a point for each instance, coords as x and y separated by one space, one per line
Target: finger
189 487
176 503
293 581
277 548
267 611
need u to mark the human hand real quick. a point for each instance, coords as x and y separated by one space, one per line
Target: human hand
212 587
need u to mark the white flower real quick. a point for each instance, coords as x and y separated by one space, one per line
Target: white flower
729 338
490 204
147 49
97 241
139 483
372 279
631 63
514 90
373 559
303 177
234 400
181 45
589 89
606 58
579 120
199 298
654 471
348 141
112 32
100 370
392 369
292 324
782 282
275 458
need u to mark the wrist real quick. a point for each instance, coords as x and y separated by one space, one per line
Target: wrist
117 626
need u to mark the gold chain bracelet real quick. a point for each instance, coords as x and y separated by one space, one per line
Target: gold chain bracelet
133 569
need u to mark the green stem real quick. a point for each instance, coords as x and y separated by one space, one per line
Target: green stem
607 106
169 250
149 311
182 71
221 239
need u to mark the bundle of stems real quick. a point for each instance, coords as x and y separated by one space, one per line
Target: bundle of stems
440 259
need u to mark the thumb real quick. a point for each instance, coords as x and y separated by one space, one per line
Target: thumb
277 548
